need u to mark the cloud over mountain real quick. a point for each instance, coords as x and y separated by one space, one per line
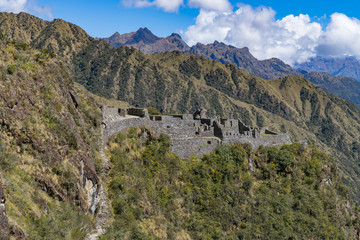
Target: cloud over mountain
257 29
292 38
341 37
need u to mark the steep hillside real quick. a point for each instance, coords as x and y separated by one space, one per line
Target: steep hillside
234 193
348 67
49 147
177 83
64 38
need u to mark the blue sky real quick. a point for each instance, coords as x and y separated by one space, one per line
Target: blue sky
290 30
102 18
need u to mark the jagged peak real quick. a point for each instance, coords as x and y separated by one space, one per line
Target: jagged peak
116 34
144 30
176 35
143 35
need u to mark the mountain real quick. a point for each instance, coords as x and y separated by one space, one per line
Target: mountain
145 40
148 43
268 69
348 67
54 171
178 83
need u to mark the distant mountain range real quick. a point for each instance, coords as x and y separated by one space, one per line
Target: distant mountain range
347 67
148 43
318 70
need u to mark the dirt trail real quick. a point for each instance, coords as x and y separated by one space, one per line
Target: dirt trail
103 214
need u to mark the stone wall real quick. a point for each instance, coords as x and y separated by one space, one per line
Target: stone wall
187 147
190 135
271 140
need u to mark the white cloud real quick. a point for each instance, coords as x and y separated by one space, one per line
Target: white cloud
292 39
342 37
30 6
43 11
15 6
217 5
166 5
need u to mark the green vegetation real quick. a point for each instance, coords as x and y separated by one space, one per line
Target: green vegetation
292 193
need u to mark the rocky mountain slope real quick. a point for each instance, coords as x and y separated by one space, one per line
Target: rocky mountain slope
269 69
49 147
178 83
348 67
47 144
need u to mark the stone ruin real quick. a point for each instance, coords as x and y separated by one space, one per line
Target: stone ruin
192 134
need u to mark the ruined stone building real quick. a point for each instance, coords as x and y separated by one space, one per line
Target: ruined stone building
191 134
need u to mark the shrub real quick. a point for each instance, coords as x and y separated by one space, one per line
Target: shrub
153 111
11 69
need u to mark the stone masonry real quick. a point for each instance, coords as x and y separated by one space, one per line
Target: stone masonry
191 134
